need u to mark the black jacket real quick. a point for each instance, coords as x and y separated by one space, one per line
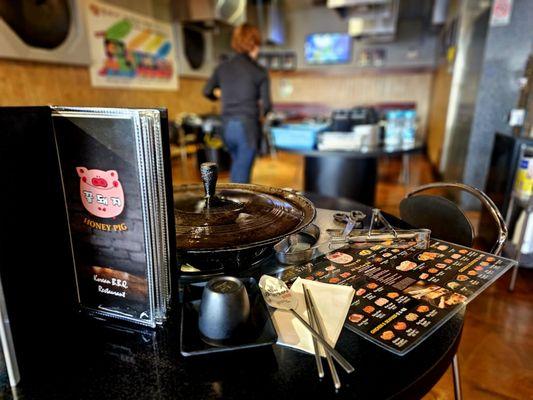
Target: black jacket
243 83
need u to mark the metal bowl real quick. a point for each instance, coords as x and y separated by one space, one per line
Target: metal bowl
299 247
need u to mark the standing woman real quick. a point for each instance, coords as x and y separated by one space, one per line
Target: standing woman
245 90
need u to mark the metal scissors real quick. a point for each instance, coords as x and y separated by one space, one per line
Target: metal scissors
354 215
353 219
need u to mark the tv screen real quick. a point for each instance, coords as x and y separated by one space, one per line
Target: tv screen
328 48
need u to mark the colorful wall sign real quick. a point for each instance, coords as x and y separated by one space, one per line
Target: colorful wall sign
130 50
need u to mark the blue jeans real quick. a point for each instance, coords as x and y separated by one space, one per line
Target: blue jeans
241 150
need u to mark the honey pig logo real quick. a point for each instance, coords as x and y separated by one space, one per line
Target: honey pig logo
101 192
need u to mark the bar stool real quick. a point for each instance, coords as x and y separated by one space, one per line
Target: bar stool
448 222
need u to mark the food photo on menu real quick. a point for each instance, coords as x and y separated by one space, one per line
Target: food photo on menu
435 295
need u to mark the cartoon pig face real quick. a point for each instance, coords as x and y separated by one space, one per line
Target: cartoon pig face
101 192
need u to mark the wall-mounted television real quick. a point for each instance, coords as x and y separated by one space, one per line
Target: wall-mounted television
328 48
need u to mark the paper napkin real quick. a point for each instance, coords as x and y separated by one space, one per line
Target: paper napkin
332 302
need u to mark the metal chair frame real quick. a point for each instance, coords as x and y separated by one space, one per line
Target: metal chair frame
483 198
496 249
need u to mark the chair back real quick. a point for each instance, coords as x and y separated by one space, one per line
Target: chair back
445 219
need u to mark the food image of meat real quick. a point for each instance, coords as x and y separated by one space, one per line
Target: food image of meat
427 255
381 301
472 273
448 261
387 335
463 251
423 275
372 285
435 292
442 247
454 298
369 309
356 318
440 265
411 317
453 285
433 270
406 266
334 280
400 326
456 256
378 259
360 292
345 274
462 278
484 264
320 273
387 254
339 258
446 301
478 268
393 295
422 308
490 259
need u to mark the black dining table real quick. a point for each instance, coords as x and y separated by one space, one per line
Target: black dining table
91 359
351 174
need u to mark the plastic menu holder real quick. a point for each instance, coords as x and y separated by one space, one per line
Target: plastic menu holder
114 184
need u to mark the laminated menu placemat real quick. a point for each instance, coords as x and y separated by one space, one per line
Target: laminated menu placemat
402 293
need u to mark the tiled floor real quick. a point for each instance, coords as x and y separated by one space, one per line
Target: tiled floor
496 351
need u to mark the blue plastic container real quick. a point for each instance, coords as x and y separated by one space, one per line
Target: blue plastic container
296 136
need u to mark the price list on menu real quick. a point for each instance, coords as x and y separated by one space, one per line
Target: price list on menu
403 293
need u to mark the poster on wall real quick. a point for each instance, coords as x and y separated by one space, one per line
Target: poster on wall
130 50
58 38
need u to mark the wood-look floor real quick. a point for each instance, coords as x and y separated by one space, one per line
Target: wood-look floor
496 351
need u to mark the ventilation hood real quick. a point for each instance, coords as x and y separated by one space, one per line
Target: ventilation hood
369 19
209 12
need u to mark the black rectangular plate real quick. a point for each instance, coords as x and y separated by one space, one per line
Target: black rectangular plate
191 343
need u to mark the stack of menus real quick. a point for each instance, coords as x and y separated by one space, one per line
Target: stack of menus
403 293
116 185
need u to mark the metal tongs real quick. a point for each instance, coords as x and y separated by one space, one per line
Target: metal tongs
387 233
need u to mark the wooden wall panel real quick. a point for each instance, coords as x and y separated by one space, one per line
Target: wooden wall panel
437 113
348 90
28 83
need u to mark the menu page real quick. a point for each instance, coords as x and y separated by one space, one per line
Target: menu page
103 193
402 293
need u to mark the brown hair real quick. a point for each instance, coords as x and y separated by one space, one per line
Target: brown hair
245 38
